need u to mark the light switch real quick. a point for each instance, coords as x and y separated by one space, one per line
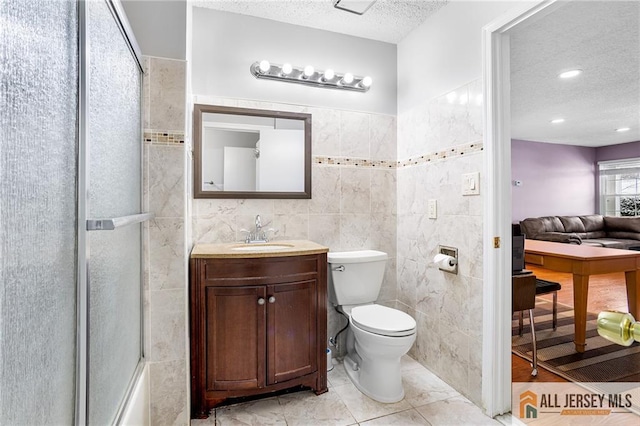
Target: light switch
432 207
471 183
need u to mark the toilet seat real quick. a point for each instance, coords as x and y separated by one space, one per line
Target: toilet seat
381 320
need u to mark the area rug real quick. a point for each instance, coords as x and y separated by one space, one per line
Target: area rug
602 361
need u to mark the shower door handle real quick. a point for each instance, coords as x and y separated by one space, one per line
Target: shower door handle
117 222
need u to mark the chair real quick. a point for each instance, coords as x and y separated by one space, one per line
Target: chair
545 287
523 298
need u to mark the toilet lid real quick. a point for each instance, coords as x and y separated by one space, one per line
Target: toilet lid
382 320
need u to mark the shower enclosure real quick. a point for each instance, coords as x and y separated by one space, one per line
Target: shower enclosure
70 212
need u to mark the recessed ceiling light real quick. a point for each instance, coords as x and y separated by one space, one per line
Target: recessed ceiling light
570 74
623 129
557 121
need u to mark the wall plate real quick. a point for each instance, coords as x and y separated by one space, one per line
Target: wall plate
432 209
471 183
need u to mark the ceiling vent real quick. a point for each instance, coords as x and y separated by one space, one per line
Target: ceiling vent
359 7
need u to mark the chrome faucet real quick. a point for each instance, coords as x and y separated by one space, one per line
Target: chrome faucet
258 228
258 235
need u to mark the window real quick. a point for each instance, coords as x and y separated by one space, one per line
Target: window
620 187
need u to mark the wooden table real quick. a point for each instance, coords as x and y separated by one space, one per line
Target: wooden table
583 261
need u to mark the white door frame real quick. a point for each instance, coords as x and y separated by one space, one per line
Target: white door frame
496 341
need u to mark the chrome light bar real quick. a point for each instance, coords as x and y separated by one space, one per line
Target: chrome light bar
310 77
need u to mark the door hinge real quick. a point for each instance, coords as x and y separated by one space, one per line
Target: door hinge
496 242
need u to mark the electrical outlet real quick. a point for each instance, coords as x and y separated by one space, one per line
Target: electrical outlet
471 183
432 206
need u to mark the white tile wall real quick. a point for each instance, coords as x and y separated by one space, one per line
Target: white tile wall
165 269
447 307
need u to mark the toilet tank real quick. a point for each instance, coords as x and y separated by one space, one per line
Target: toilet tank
355 277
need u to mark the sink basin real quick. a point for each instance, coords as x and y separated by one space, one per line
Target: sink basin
266 247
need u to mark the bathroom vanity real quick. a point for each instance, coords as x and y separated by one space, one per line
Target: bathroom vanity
258 319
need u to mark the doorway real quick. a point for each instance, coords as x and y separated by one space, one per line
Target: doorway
496 356
498 39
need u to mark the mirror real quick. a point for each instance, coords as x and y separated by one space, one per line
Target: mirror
251 153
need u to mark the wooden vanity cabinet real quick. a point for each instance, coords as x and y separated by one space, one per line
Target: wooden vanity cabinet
258 325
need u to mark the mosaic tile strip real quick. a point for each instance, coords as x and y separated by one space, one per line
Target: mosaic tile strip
441 155
163 136
392 164
355 162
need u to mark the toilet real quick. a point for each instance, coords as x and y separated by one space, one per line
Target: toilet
377 336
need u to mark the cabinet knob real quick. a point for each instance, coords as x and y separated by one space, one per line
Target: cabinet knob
261 301
272 299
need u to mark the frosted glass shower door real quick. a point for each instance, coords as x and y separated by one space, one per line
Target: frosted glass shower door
70 150
114 194
38 227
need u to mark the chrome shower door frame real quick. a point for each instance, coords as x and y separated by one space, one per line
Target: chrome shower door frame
86 224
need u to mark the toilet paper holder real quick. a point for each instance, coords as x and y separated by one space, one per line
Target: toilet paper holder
449 251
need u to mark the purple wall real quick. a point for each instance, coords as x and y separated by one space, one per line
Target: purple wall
618 152
556 180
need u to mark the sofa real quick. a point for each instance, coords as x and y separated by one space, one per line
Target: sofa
593 230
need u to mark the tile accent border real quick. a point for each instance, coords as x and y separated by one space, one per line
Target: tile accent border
393 164
163 136
356 162
455 151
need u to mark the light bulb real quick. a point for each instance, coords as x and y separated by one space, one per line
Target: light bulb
348 78
286 69
328 74
557 121
623 129
366 82
265 66
308 71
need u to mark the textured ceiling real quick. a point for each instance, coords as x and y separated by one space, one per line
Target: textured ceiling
602 39
386 20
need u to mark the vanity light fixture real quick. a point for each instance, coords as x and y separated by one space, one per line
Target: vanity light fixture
570 73
557 121
310 76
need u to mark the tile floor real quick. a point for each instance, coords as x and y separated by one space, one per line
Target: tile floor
428 401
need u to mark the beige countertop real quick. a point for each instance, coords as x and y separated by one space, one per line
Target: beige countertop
253 250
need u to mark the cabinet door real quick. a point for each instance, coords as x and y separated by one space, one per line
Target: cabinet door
235 331
291 331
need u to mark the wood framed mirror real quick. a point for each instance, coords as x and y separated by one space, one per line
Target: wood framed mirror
250 153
